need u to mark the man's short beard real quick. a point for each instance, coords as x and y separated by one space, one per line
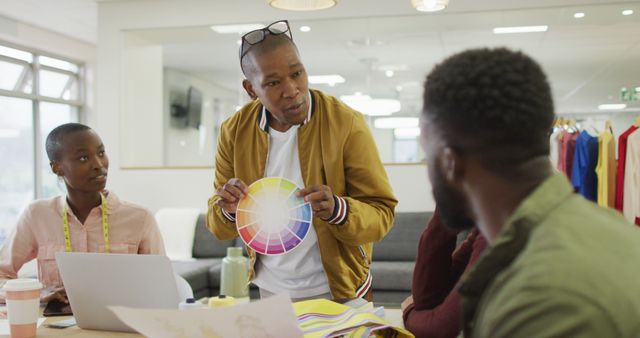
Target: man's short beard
452 205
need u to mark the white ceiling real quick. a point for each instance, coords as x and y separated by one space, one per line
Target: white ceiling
587 60
78 18
75 18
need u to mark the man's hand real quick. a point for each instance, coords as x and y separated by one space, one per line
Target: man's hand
57 294
230 194
321 199
405 304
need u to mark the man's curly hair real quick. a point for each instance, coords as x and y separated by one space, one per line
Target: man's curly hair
494 103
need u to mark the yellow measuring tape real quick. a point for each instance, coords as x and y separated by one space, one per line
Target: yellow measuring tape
105 226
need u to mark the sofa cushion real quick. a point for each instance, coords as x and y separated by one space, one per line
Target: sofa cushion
401 243
392 275
177 226
205 244
214 273
196 272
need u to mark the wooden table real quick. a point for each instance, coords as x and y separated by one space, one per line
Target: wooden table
394 316
75 331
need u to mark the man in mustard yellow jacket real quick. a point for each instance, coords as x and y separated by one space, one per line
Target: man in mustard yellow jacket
318 143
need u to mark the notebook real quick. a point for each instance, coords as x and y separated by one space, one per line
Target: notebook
94 281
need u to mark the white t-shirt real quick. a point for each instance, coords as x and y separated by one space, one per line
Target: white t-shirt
299 272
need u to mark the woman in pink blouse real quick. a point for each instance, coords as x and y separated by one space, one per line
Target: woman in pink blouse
89 219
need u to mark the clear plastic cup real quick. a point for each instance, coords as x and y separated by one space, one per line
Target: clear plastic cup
23 305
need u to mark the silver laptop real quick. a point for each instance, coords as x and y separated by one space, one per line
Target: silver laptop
94 281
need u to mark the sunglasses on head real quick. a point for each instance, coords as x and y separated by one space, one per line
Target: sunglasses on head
256 36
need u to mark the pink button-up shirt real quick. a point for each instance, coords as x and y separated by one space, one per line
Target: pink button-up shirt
39 234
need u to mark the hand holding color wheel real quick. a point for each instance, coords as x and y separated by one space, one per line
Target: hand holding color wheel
230 194
272 218
321 199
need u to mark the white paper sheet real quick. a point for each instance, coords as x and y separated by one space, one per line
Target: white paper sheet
272 317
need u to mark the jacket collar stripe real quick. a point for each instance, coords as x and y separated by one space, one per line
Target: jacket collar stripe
263 119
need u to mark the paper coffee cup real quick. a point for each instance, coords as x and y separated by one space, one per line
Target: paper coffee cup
23 305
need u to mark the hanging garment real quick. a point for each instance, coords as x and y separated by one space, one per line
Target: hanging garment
583 176
567 151
631 205
554 146
622 156
606 169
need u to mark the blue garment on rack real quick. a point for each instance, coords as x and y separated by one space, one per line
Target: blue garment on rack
585 159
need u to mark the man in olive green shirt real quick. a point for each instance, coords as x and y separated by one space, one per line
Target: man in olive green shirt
557 265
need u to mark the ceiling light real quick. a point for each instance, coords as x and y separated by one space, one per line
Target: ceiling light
370 106
305 29
302 5
326 79
429 5
396 122
406 133
612 106
238 42
578 15
520 29
399 88
627 12
236 29
389 73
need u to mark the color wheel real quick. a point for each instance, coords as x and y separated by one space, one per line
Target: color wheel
271 219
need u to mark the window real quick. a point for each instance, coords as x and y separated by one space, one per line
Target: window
37 93
406 145
406 151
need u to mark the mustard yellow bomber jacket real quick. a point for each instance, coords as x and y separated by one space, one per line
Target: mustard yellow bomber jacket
335 149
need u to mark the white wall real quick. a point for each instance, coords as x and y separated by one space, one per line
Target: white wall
192 187
384 141
141 109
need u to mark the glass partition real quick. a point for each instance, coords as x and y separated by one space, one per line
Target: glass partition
376 64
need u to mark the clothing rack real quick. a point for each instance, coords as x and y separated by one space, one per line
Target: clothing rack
596 161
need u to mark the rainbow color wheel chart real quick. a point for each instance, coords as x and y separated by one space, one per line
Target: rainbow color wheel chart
272 219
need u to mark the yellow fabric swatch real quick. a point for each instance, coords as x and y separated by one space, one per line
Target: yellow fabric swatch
322 317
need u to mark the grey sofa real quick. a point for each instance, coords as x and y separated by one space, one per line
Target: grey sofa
392 266
203 273
394 258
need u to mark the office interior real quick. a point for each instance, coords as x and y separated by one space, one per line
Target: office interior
128 69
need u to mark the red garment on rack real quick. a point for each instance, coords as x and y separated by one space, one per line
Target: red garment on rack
567 150
622 156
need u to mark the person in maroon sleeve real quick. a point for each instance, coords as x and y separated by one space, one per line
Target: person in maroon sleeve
434 307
